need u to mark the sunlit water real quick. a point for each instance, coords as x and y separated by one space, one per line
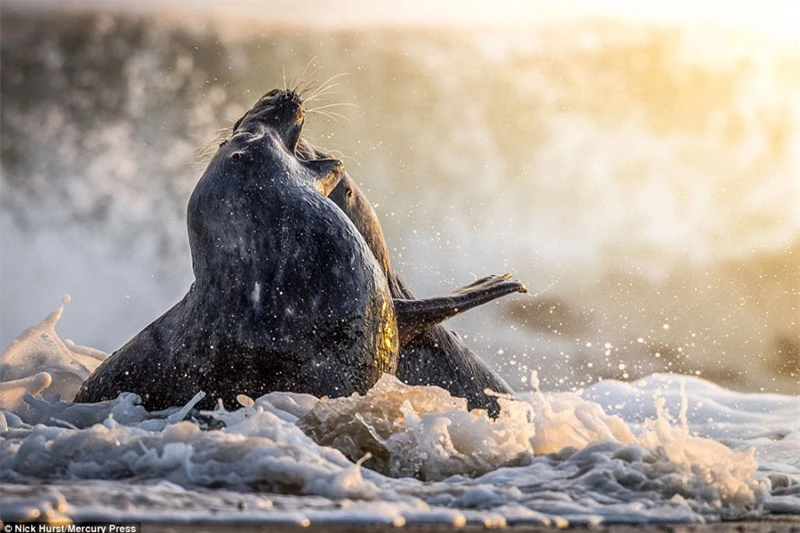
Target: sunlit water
666 448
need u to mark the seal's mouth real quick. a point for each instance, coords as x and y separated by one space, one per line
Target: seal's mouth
295 113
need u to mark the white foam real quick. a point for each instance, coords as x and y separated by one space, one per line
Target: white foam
12 392
549 458
40 350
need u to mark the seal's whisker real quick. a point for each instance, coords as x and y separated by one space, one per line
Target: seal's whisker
321 94
331 89
323 113
335 77
325 87
330 114
310 86
335 114
301 78
313 72
294 80
298 89
326 114
336 104
206 151
327 83
285 86
339 155
306 86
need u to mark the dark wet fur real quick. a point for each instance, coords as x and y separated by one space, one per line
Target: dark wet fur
322 321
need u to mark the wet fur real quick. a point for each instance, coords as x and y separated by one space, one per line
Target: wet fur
287 294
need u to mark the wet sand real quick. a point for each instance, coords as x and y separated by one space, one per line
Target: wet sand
778 524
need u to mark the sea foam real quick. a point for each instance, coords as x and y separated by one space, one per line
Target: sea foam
663 449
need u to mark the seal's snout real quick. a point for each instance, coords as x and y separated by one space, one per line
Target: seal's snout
287 104
291 105
280 110
291 116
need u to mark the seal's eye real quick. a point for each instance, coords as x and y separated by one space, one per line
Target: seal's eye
349 194
235 157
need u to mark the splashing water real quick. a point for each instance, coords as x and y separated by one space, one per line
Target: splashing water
396 455
38 360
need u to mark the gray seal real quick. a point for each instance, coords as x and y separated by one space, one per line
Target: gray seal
430 355
287 293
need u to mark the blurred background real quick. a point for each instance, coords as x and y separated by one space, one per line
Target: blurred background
637 166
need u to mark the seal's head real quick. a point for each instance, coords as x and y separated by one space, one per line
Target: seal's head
281 110
249 176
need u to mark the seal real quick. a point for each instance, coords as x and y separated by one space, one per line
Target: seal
432 355
287 293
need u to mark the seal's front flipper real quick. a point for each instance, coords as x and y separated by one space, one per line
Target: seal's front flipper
415 316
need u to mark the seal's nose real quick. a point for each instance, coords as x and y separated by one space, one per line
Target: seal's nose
293 99
292 103
292 96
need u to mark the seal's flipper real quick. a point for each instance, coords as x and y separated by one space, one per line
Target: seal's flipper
490 282
415 316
